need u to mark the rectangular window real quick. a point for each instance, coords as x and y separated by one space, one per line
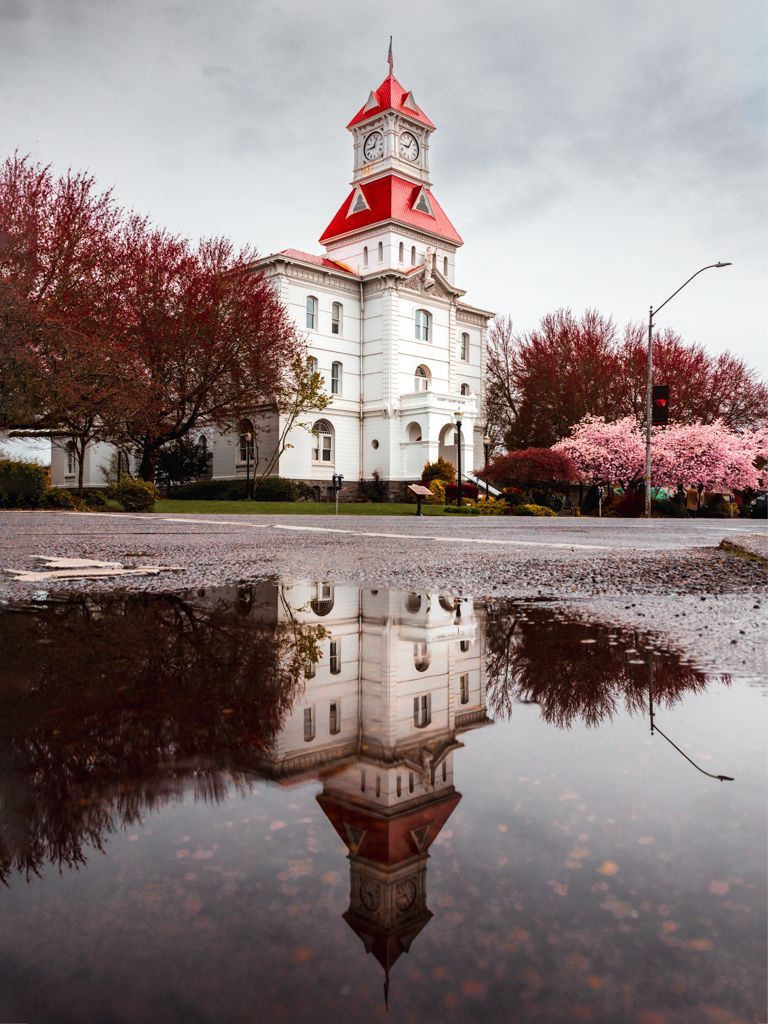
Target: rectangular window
422 710
336 318
335 657
309 724
336 379
465 347
311 312
464 681
334 724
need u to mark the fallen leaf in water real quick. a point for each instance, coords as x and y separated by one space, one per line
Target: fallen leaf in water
608 867
474 989
181 854
203 855
277 825
645 840
719 888
299 868
578 854
503 828
595 982
559 888
301 954
699 944
669 927
331 878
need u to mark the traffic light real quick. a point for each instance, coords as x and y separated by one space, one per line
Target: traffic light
660 405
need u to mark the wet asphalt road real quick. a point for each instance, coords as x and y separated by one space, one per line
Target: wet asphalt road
668 576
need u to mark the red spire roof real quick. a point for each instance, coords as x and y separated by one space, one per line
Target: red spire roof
391 198
390 96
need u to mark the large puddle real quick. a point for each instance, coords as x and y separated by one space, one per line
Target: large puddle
300 802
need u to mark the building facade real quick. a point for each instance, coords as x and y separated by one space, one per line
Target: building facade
400 351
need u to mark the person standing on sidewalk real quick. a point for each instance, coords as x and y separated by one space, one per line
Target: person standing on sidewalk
692 501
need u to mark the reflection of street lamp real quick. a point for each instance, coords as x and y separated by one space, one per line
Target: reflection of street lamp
655 728
486 449
458 457
248 439
649 383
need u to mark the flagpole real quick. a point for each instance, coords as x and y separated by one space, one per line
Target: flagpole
390 58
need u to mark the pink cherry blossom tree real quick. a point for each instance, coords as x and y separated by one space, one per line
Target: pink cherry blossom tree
604 451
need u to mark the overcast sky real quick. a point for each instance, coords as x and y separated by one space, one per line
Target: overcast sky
590 152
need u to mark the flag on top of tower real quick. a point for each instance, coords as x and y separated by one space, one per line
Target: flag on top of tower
390 59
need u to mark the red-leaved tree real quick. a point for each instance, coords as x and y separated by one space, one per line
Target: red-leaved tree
544 466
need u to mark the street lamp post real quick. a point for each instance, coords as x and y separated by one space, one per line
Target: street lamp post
486 449
649 381
458 458
248 439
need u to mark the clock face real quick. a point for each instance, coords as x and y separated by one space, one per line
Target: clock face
405 895
369 895
373 147
409 147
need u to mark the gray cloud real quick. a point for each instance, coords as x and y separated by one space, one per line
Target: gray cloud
591 153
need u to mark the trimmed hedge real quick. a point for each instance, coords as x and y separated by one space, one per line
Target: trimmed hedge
271 488
22 484
530 510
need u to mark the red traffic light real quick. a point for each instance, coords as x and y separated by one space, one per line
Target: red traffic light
660 405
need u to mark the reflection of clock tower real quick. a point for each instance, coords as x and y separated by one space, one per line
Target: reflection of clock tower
388 869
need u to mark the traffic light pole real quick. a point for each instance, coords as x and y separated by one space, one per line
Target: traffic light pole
649 382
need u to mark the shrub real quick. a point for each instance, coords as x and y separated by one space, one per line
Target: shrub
373 490
483 507
134 495
554 501
716 508
306 493
22 484
440 470
58 498
630 505
530 510
276 488
202 490
95 499
513 495
437 487
672 508
468 490
532 466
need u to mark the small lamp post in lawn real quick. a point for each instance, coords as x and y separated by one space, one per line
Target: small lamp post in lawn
458 459
486 450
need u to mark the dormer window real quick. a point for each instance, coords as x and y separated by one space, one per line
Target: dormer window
423 324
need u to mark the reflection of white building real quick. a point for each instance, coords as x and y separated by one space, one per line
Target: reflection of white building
401 677
387 326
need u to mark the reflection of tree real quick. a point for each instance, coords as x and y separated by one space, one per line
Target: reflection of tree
534 656
114 706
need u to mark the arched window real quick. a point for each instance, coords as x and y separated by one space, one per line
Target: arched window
413 255
464 683
337 318
335 657
322 442
421 379
245 442
464 646
423 323
336 378
365 255
71 451
465 347
413 602
421 656
422 710
414 432
465 389
401 252
313 364
334 718
311 312
445 266
322 598
381 252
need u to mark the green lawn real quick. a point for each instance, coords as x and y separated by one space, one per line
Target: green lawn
297 508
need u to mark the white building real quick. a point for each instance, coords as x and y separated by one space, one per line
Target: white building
400 351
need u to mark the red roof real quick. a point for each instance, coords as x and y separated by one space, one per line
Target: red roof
319 261
391 96
391 198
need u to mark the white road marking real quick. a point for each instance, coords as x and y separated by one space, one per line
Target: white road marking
451 540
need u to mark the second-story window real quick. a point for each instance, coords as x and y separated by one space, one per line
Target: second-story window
313 364
334 657
311 312
334 718
336 378
337 318
464 682
422 710
423 323
421 379
322 442
465 347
